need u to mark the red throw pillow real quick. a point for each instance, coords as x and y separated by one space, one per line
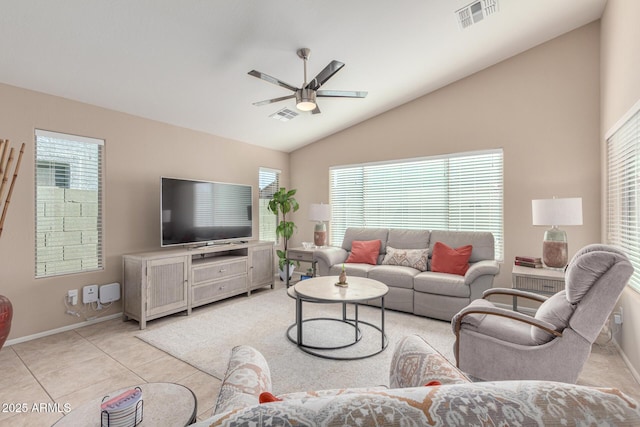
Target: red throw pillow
266 397
449 260
364 252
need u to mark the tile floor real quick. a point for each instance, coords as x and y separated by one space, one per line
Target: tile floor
77 366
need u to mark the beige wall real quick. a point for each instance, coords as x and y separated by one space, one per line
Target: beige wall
620 89
541 107
138 152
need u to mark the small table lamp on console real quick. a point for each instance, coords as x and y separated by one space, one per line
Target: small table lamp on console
555 212
321 213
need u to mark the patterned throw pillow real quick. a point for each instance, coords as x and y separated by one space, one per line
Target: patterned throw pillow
415 258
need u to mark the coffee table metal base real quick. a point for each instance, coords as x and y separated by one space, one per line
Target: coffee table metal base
354 322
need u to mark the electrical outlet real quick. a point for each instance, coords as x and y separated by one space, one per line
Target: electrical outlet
618 317
72 296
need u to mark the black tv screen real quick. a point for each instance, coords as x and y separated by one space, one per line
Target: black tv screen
201 212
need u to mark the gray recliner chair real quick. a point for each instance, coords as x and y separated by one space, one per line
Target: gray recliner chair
494 343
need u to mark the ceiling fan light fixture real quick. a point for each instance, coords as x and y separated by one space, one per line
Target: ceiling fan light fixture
305 99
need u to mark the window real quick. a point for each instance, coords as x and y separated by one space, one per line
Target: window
68 176
268 184
455 192
623 172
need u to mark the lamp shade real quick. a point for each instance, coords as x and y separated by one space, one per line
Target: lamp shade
319 212
557 212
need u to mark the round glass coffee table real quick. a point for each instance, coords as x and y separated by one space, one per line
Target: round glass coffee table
164 404
323 290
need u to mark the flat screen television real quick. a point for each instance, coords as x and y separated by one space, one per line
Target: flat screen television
204 212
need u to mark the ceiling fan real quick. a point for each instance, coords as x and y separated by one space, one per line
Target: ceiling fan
306 95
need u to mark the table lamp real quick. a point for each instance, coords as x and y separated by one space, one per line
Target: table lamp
320 213
555 212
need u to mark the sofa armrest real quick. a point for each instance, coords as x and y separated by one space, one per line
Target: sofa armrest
247 376
326 257
415 363
481 268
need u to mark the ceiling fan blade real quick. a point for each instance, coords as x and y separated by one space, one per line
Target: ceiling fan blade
271 101
324 75
316 110
270 79
342 93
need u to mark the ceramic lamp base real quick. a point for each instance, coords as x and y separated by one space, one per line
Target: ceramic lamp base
555 252
320 234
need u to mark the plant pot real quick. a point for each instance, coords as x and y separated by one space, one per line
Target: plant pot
283 275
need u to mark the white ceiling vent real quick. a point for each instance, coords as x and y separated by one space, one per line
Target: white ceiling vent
476 12
284 115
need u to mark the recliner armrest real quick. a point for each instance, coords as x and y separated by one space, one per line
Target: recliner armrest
415 363
514 293
247 376
456 322
481 268
326 257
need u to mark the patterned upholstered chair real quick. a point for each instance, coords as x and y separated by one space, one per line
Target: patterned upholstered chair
408 402
494 343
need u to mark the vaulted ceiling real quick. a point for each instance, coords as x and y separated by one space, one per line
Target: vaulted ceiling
185 62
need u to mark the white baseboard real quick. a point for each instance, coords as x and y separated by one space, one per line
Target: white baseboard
62 329
627 362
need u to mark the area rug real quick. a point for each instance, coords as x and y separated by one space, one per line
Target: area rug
205 339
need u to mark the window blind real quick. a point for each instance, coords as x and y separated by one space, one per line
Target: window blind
268 184
623 214
461 192
68 222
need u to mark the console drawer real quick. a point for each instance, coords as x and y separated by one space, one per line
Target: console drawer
217 290
219 270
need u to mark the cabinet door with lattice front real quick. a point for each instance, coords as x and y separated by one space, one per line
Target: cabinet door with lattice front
261 262
167 285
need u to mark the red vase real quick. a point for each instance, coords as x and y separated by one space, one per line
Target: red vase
6 313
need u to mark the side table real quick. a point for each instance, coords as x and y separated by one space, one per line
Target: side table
304 255
538 280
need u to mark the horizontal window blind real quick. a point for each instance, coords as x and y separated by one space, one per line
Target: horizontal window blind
68 177
623 173
268 184
456 192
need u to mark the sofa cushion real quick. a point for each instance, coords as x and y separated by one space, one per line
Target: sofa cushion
441 284
357 270
556 310
415 258
394 276
408 239
364 252
482 242
506 329
446 259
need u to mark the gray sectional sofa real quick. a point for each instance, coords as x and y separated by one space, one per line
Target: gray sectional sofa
425 293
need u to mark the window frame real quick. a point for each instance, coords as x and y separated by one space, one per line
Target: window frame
622 173
442 205
266 233
81 160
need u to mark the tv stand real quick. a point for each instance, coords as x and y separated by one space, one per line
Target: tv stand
164 282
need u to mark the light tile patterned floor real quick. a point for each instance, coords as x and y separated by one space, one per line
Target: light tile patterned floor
76 366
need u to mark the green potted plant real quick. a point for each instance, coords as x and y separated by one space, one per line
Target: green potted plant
281 204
